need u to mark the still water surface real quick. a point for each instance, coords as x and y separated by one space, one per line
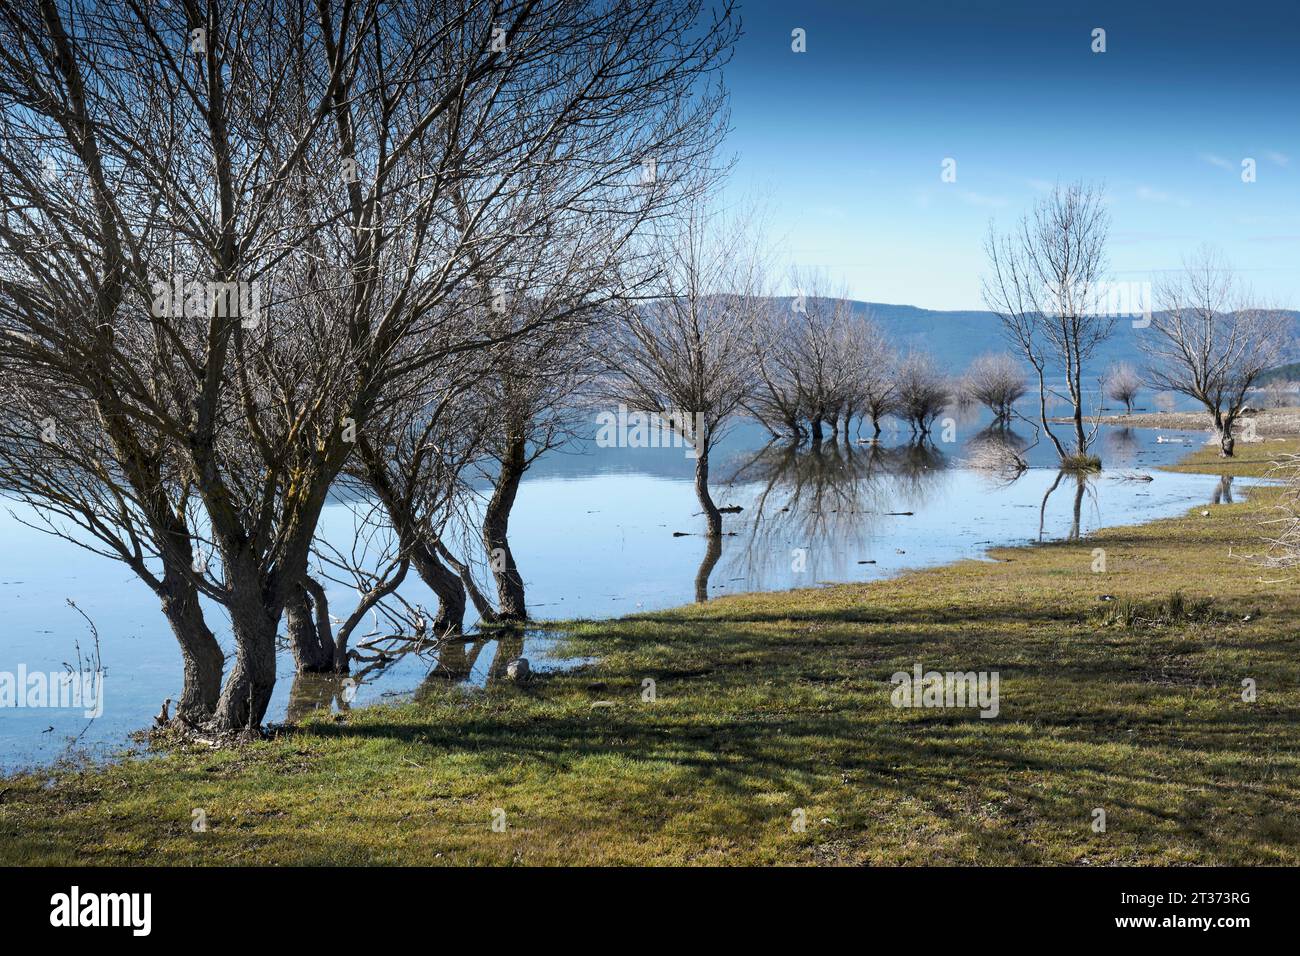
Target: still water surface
593 534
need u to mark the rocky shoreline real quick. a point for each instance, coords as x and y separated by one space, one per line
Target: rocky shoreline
1269 423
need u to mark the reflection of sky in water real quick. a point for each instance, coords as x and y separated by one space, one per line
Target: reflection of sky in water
592 532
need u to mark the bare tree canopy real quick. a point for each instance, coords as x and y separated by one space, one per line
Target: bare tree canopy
236 234
1045 281
1122 384
997 381
820 363
923 391
1209 339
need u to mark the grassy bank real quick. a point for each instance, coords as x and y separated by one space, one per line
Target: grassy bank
1249 460
770 704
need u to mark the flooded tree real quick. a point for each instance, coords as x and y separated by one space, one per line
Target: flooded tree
130 507
1210 341
878 386
1045 281
820 364
822 350
533 400
922 392
1122 384
686 355
996 381
234 272
776 401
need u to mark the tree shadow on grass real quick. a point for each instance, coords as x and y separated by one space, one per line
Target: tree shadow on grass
929 762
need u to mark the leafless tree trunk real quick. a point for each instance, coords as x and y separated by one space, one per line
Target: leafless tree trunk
1210 342
496 532
1045 285
1123 384
686 354
303 157
313 650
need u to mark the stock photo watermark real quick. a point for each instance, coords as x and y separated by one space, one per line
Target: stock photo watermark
194 298
53 690
637 429
75 909
946 689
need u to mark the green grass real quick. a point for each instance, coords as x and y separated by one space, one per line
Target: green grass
1081 464
1249 460
1119 690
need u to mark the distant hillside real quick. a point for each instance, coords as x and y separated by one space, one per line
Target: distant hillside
955 338
1284 373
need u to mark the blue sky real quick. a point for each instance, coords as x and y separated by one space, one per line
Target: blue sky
846 141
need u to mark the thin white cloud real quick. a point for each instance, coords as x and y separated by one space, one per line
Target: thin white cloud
1132 238
1219 161
1147 194
981 199
1279 159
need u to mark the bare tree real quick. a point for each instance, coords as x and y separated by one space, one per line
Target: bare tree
685 355
412 460
923 392
822 346
819 363
1209 341
1045 284
1122 384
872 386
879 383
1279 393
515 400
131 507
532 398
997 381
777 400
186 176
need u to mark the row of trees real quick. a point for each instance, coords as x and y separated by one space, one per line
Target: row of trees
1209 337
815 364
377 215
255 257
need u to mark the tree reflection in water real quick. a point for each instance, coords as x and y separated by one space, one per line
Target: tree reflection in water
821 500
998 454
1082 485
453 660
1120 447
313 692
817 509
458 657
711 555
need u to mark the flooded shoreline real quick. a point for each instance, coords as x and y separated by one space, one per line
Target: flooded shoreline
600 537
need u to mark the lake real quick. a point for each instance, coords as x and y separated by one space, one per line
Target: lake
592 532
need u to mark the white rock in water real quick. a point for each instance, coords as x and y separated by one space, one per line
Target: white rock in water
518 669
